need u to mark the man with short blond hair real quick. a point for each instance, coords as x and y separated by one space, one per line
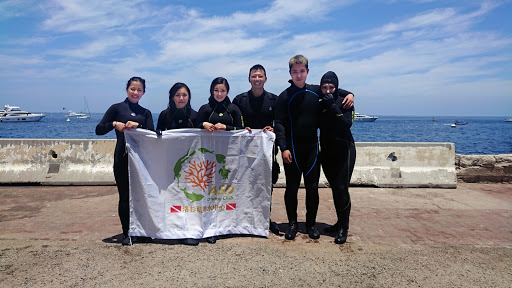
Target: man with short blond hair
296 125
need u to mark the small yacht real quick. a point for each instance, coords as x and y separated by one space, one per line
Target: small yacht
15 114
74 114
364 118
79 115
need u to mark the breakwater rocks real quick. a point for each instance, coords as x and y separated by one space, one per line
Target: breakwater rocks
484 168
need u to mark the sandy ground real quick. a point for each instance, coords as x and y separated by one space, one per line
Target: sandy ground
68 236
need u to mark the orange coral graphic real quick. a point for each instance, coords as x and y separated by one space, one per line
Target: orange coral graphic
200 174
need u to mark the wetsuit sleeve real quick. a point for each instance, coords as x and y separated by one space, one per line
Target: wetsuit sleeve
342 118
160 125
106 123
344 92
281 115
236 102
202 116
193 119
148 123
238 123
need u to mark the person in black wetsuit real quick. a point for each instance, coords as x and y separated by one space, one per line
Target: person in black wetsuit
179 114
219 113
125 116
296 125
257 107
338 151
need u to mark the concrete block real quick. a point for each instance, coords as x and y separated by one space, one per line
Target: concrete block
90 161
405 164
57 161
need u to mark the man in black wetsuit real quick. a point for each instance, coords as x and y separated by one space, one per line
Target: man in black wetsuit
257 107
296 123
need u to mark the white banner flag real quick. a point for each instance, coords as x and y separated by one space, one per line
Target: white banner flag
190 183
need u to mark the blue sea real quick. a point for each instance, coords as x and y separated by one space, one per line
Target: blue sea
482 135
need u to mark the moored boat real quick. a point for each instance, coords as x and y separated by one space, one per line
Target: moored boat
364 118
80 115
74 114
15 114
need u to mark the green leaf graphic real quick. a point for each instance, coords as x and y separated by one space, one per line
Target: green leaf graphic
192 196
179 164
220 158
204 150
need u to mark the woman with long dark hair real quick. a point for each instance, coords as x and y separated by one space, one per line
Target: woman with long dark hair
125 116
219 113
179 113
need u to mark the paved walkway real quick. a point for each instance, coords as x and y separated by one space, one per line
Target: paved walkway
475 214
67 236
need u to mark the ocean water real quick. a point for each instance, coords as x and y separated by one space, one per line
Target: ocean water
482 135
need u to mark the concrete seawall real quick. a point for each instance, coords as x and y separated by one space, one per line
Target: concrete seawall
57 161
380 164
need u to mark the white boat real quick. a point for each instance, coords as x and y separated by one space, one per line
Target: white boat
80 115
364 118
508 120
15 114
74 114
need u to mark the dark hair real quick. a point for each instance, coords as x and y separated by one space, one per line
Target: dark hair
136 79
177 86
217 81
171 107
257 67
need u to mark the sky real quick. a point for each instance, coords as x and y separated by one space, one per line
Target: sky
398 57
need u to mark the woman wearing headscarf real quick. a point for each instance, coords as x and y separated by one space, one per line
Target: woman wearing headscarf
338 151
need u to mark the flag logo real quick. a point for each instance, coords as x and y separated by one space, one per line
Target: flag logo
175 209
231 206
200 172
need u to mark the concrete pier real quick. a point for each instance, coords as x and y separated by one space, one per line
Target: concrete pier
379 164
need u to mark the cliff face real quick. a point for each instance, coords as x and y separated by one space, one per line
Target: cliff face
484 168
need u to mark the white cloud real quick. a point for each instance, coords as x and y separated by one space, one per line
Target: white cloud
91 16
403 58
99 47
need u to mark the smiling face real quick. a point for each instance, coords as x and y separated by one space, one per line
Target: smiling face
257 79
181 98
299 74
135 91
220 92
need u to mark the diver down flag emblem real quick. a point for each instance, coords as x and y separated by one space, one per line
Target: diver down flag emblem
175 209
231 206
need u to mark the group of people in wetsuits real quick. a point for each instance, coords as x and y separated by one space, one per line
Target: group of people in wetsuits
295 117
